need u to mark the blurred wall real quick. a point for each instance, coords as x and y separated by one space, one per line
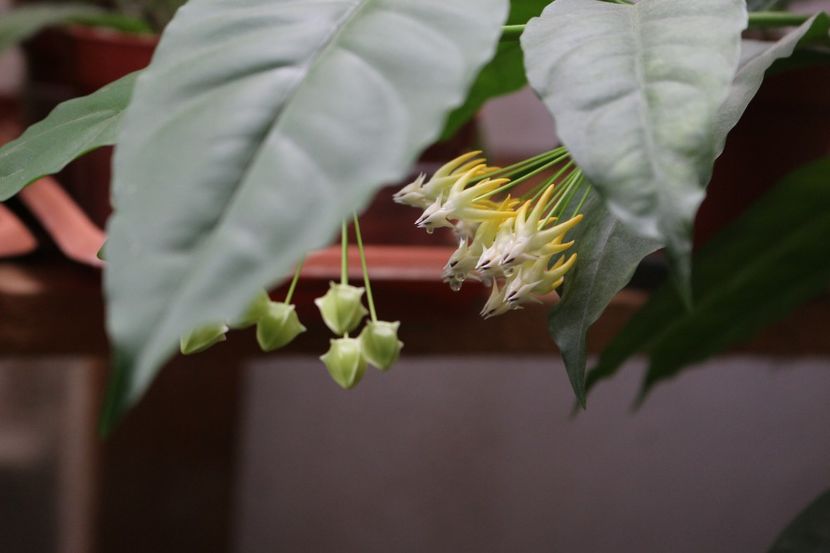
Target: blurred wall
479 454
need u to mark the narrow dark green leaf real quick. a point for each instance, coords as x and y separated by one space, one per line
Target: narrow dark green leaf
504 74
71 130
608 253
753 273
809 532
258 127
756 58
522 11
770 262
635 90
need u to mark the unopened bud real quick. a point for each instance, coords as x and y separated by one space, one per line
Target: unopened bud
256 310
202 338
345 362
341 308
380 343
278 326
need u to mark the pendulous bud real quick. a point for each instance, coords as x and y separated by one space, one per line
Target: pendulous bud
278 326
202 338
341 308
381 347
256 310
345 362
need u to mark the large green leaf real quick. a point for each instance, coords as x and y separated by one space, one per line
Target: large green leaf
755 272
608 253
504 74
635 91
72 129
756 58
259 125
809 532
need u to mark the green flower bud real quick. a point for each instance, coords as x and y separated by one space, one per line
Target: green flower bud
345 362
202 338
341 308
278 326
380 343
256 310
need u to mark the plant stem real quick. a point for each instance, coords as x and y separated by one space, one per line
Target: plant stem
294 281
777 19
512 32
548 164
521 166
582 201
756 19
539 190
344 253
366 282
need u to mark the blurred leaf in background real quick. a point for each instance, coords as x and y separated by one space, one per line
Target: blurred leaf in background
504 74
71 130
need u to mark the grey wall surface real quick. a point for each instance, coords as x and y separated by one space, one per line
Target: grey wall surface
480 455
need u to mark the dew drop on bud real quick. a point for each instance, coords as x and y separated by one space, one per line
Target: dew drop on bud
430 230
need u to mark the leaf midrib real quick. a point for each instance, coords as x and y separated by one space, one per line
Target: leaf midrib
645 108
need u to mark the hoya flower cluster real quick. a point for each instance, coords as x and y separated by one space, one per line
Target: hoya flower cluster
342 311
516 245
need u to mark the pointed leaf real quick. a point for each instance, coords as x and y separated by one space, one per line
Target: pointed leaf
756 58
608 253
754 273
71 130
747 277
635 91
260 125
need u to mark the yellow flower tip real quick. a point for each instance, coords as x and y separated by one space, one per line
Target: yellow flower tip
451 166
478 166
